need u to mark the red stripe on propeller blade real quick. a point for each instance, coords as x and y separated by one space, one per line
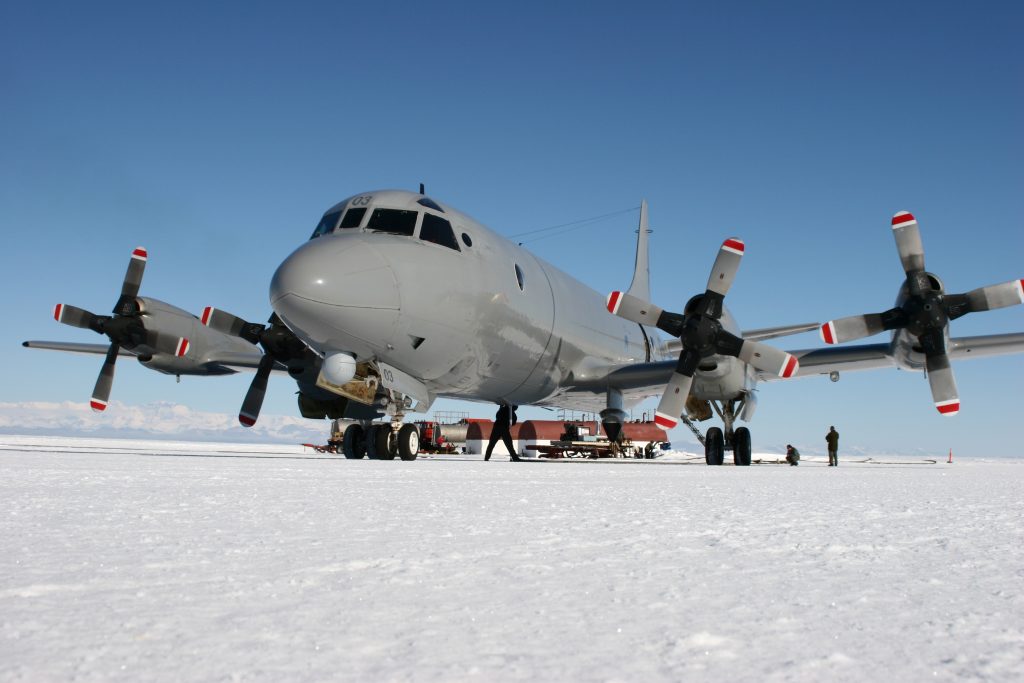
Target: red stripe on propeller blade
246 420
207 312
182 347
733 244
902 218
828 334
948 407
97 405
140 253
790 368
613 301
664 421
58 311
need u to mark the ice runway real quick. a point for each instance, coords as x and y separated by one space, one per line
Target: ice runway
175 561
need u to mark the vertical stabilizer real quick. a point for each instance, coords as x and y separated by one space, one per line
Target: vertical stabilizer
641 285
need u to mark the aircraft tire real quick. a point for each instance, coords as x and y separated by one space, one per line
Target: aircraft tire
408 442
383 441
353 444
741 448
714 447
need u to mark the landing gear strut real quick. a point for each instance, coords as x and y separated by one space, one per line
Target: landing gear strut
717 441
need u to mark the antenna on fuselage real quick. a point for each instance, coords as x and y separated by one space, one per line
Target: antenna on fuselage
422 189
641 285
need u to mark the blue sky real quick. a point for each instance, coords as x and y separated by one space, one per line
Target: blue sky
215 134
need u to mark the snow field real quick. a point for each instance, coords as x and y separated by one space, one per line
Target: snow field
160 563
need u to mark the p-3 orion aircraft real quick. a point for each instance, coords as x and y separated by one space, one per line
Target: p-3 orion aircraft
398 299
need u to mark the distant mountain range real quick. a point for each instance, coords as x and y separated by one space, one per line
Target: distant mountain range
154 420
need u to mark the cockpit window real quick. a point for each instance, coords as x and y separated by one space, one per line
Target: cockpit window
396 221
327 224
353 217
439 231
430 204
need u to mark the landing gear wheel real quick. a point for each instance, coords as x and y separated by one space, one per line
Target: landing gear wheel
408 442
353 444
741 447
383 442
714 447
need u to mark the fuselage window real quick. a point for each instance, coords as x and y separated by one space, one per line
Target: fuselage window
395 221
439 231
466 240
519 276
430 204
353 217
326 224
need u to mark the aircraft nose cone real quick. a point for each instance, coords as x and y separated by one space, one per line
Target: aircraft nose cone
337 293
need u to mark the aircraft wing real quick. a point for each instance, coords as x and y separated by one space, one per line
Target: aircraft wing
73 347
873 356
216 361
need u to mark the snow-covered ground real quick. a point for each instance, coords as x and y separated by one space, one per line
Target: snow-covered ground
138 560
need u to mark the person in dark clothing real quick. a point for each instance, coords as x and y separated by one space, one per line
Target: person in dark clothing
792 455
502 429
832 439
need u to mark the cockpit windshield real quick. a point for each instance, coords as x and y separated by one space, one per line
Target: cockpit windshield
326 224
395 221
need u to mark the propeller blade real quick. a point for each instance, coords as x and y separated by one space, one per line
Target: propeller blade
257 390
673 401
726 265
101 392
167 343
943 384
908 241
133 277
631 308
852 327
222 321
769 359
74 316
987 298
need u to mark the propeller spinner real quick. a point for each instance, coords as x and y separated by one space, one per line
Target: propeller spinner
126 328
925 313
700 330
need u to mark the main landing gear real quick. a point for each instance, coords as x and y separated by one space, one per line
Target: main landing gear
381 441
718 441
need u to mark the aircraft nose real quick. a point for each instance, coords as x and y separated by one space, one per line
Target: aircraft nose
337 293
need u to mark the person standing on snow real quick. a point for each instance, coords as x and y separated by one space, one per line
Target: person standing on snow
832 439
502 429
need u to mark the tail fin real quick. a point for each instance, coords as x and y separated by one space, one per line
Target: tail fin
641 285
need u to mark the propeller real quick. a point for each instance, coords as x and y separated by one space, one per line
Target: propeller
280 345
700 330
925 313
125 328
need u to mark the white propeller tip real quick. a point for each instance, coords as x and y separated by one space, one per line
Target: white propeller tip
734 245
664 421
614 301
903 219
